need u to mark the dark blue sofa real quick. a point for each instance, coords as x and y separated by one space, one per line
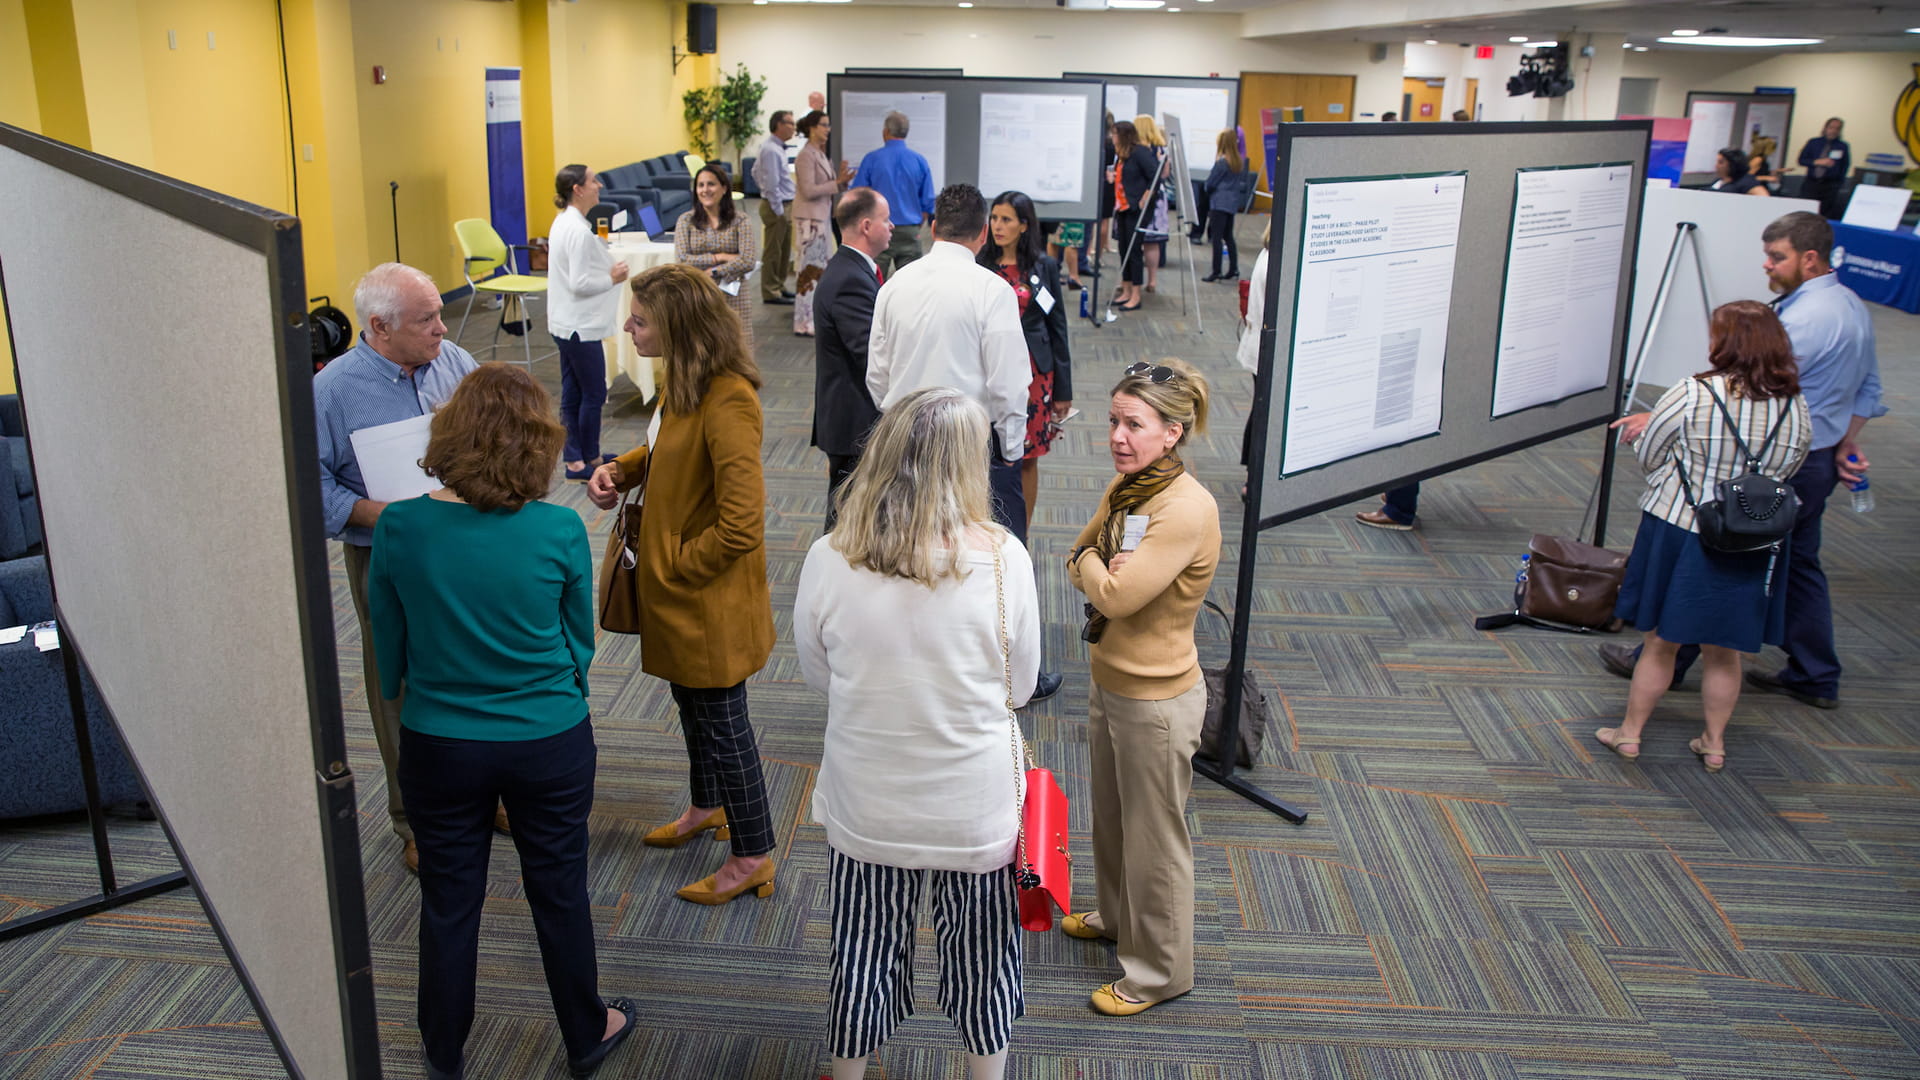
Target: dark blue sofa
19 509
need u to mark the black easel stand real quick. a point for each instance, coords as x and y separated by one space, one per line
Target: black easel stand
111 895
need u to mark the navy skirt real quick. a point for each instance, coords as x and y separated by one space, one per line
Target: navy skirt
1693 596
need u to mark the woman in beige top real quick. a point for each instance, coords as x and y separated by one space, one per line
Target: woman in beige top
815 183
1145 562
717 238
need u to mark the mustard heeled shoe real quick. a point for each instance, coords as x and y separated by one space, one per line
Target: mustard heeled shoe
704 892
666 837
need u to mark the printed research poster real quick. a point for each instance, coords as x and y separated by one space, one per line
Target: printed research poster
1370 323
1036 143
1563 284
863 113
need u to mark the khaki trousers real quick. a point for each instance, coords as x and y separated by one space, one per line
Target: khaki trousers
776 252
901 250
1142 754
385 714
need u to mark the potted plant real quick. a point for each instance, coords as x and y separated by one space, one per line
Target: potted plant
701 108
737 111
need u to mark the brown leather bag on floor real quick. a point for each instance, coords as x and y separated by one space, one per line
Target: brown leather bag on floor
1564 585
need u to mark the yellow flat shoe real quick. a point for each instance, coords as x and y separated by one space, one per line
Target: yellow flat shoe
1076 926
1108 1001
666 837
704 892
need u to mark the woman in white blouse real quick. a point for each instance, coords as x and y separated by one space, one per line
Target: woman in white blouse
911 617
580 273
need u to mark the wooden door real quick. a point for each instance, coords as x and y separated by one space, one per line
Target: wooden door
1473 99
1319 97
1422 98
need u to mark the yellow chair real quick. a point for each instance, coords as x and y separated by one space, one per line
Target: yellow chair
694 163
487 264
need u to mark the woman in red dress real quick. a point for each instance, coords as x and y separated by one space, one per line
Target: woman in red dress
1015 249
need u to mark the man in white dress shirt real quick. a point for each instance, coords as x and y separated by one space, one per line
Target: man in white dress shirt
945 320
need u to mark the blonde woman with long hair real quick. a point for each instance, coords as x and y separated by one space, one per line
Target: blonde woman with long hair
1154 226
911 617
1144 713
706 620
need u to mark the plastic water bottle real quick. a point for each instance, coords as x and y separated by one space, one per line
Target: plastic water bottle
1862 494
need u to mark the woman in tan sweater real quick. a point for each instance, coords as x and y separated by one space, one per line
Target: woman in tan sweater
1145 562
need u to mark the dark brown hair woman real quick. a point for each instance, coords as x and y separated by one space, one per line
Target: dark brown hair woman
496 588
706 619
1678 591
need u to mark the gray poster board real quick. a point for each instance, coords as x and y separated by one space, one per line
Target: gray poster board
1490 155
963 127
1148 87
1768 110
161 345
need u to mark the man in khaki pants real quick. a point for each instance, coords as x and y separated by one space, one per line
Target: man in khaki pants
776 198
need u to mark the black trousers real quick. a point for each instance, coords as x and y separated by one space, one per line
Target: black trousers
1126 224
1826 191
451 787
724 762
1220 228
1009 498
839 470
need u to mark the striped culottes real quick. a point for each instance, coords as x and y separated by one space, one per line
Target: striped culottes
977 927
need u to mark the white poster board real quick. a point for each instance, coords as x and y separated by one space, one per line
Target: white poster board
1769 120
1728 235
1712 132
1123 100
1875 207
1204 110
1369 345
1033 143
1562 291
862 113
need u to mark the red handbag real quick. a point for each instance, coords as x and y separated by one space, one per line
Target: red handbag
1043 862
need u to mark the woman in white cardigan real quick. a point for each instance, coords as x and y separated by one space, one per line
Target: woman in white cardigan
909 617
581 273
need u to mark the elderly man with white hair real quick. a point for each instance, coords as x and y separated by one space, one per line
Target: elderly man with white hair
402 367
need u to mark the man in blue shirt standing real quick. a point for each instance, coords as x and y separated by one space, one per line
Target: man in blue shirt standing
774 173
1832 335
904 178
401 368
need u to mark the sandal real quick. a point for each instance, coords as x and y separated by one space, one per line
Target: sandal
1709 760
1609 738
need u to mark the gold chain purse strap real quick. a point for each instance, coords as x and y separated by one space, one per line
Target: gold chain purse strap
1023 873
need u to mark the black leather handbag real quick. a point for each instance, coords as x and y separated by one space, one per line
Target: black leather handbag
1751 511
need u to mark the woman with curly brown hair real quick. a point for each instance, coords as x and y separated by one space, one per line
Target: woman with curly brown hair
1678 591
481 600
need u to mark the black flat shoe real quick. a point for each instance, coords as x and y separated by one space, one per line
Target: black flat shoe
1211 277
584 1067
1046 686
1235 276
1126 307
581 474
1073 284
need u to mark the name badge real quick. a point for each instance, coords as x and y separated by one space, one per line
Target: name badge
1044 298
1136 531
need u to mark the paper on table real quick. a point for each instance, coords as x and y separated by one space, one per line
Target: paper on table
619 221
1875 207
389 457
1370 338
1562 294
12 634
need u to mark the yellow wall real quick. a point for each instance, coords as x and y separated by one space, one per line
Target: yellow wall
216 116
1858 87
19 102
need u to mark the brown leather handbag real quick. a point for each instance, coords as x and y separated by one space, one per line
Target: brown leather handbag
1564 585
619 567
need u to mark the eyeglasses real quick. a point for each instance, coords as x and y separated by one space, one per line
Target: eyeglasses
1153 373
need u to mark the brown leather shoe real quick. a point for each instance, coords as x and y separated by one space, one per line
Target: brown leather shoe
411 856
1379 520
500 822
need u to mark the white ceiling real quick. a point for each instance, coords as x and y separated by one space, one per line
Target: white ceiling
1847 25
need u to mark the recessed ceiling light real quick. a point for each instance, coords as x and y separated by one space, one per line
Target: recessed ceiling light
1686 33
1541 45
1744 42
1431 41
1626 44
1518 40
1913 29
1173 11
1639 48
1138 4
965 3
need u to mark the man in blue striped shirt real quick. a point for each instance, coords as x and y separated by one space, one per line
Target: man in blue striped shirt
1832 335
401 368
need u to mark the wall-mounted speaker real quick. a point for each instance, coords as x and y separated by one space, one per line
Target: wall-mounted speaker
1379 51
703 29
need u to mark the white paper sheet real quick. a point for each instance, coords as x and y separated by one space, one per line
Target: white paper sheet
1370 332
1875 207
1123 100
1563 284
12 635
1203 116
619 221
862 115
1036 143
389 457
1712 132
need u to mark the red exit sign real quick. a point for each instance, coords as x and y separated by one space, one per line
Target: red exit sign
1483 52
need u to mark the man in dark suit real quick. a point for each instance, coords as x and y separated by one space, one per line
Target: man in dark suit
843 411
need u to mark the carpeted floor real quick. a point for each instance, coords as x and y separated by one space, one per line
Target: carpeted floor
1482 893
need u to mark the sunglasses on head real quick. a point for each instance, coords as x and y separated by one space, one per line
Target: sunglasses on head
1154 373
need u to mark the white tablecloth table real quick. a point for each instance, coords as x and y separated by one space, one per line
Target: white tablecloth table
639 253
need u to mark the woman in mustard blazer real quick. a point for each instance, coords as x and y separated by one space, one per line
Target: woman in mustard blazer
706 620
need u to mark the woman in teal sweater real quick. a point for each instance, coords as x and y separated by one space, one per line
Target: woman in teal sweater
482 614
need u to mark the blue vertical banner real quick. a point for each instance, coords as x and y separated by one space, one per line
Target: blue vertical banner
506 173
